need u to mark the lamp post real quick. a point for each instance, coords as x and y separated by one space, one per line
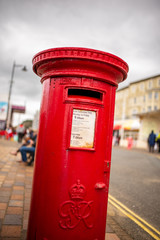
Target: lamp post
23 68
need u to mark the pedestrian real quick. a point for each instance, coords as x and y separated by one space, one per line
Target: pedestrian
130 142
158 141
151 141
118 140
9 133
20 132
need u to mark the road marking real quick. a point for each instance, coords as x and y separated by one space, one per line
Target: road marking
142 220
134 217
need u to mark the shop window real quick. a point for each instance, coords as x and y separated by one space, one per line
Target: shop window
131 133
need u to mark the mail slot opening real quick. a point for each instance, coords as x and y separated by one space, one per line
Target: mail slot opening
84 93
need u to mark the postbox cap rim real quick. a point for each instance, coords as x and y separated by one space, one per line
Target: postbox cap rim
83 53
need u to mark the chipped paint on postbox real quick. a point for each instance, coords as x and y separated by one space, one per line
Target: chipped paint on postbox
83 128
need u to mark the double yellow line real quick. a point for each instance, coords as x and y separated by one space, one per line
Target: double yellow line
134 217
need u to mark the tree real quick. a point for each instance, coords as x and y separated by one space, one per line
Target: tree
27 123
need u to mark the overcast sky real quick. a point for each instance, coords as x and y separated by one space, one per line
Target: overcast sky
129 29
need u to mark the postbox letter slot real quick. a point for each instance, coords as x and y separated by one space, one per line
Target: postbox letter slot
75 92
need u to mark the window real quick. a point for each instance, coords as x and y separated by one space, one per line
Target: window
156 95
134 100
150 95
150 84
144 98
142 86
155 108
133 89
134 111
149 108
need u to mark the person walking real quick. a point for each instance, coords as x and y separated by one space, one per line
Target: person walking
20 132
158 141
151 141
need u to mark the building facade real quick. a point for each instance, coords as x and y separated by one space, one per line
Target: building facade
137 111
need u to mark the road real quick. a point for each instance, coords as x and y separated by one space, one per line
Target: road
135 182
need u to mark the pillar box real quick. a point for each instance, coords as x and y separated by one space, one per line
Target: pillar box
73 155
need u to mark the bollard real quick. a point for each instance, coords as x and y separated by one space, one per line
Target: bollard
73 154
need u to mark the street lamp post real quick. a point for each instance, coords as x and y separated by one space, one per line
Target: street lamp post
10 87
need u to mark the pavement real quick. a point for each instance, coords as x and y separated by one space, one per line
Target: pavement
15 195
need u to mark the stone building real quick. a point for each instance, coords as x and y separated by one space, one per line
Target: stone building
137 111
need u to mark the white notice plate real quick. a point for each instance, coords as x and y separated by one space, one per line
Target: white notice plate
83 128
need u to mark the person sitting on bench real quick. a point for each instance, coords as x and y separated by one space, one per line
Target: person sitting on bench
29 149
28 146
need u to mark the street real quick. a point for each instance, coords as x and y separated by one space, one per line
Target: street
15 195
134 182
133 204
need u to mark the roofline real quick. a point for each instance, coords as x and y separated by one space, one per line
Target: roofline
141 80
145 79
151 113
123 88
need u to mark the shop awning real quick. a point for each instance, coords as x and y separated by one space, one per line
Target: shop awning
131 125
128 124
117 127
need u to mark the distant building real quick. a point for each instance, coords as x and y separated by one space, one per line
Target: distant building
12 109
35 123
3 114
137 111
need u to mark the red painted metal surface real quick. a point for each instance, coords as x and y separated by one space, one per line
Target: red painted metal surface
73 157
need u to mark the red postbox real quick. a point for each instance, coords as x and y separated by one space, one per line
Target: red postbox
73 157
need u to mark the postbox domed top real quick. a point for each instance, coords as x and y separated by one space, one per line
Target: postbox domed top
52 58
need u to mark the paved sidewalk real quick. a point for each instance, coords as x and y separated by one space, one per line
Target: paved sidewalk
15 194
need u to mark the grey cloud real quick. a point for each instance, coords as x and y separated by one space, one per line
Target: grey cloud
129 29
